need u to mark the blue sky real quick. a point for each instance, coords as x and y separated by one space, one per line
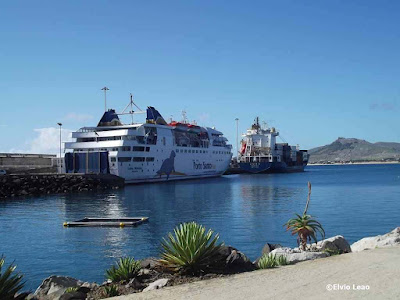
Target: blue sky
316 70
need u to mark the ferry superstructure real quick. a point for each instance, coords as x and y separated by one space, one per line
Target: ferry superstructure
260 153
148 152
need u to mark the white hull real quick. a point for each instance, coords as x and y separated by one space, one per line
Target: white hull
154 180
185 165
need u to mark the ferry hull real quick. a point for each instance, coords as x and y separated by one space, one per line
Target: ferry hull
265 167
172 178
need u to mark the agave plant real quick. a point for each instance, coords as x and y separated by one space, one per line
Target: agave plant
282 260
127 268
110 291
306 227
10 282
268 261
190 249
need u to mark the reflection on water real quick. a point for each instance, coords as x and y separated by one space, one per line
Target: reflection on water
268 199
247 211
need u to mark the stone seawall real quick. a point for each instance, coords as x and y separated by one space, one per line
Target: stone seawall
41 184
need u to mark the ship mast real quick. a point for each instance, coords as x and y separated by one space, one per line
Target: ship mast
184 118
105 89
237 137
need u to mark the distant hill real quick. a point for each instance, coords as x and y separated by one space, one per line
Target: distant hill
355 150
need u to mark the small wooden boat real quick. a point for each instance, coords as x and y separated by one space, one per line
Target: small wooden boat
108 222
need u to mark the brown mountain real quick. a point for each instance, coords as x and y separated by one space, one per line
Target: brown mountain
355 150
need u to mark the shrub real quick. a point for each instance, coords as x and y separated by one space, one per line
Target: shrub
332 252
190 249
282 260
10 282
268 261
127 268
111 290
71 289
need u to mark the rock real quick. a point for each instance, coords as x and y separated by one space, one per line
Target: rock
107 282
294 255
230 260
158 284
31 297
149 263
89 285
144 273
55 286
389 239
266 249
73 296
135 283
22 296
269 247
275 246
17 181
83 289
336 243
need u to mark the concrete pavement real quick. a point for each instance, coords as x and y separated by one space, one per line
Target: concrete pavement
371 274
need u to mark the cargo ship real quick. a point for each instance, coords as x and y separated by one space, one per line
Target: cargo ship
260 153
148 152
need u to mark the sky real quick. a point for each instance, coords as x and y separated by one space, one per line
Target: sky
315 70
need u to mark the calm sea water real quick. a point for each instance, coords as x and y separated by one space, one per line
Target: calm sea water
246 210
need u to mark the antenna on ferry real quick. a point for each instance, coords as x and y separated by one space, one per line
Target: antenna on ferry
131 112
131 103
105 89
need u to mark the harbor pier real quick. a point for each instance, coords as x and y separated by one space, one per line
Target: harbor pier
17 185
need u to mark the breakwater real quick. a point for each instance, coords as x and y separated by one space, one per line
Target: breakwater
40 184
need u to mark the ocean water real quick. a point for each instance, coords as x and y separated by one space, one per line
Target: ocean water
246 210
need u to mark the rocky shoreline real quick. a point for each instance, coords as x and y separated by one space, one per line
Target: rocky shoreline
229 261
21 185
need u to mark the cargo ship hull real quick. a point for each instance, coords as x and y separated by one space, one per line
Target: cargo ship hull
264 167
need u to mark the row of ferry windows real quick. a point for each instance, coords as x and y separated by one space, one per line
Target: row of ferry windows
147 149
200 151
190 151
128 148
134 159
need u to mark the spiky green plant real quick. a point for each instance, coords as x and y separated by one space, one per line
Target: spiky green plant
71 289
268 261
190 249
306 227
332 252
282 260
127 268
10 282
111 290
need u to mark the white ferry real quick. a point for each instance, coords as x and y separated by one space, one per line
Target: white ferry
148 152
